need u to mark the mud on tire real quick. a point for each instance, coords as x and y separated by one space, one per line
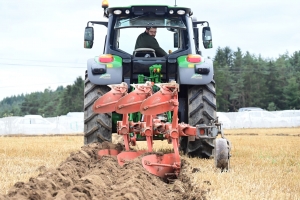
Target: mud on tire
201 110
97 127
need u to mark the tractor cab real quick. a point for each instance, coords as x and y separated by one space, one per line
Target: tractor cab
177 34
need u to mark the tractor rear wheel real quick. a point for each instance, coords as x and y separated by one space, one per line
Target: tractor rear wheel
201 110
97 127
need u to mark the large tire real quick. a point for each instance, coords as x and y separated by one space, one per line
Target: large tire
97 127
201 110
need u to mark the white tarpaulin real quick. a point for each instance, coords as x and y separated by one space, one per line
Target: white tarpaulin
73 123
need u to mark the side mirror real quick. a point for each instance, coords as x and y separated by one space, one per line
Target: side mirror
196 36
88 37
206 37
176 40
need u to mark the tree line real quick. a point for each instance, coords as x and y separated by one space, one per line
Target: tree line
47 103
245 80
242 80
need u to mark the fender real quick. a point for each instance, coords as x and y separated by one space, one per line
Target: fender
187 72
112 75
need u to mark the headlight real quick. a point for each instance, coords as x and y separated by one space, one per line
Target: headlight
180 12
117 12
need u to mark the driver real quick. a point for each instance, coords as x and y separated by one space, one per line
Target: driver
147 40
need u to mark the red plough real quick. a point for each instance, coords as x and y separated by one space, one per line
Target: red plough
143 100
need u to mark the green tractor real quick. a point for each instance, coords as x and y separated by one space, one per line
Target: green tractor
125 88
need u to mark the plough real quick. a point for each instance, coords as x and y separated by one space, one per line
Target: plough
149 104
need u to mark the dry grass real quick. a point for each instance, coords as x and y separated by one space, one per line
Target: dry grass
21 157
263 166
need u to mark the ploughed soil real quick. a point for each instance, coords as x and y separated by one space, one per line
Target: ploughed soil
83 176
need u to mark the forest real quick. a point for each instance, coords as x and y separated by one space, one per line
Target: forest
241 80
47 103
244 80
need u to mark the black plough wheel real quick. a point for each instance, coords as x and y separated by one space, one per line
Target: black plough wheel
97 127
201 110
221 154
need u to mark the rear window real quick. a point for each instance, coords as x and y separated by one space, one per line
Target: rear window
145 21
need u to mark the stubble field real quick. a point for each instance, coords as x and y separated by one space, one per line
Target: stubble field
265 164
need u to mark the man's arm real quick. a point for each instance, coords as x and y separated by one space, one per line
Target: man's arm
158 50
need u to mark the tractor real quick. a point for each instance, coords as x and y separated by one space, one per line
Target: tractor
144 97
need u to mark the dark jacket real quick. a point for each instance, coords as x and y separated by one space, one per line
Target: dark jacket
147 41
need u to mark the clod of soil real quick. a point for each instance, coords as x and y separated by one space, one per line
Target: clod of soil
84 176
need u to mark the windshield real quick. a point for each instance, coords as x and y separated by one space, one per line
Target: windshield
127 38
146 21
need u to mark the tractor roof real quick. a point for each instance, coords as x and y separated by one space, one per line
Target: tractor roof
137 10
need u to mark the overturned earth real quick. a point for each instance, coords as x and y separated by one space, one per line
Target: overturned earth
83 176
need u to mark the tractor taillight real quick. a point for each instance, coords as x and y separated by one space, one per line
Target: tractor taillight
106 58
194 58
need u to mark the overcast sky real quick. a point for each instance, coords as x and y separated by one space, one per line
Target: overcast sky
41 42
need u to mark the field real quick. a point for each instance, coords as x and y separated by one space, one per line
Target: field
265 163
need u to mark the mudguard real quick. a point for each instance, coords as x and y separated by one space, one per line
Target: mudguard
188 76
113 74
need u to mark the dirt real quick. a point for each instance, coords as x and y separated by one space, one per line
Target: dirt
83 176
